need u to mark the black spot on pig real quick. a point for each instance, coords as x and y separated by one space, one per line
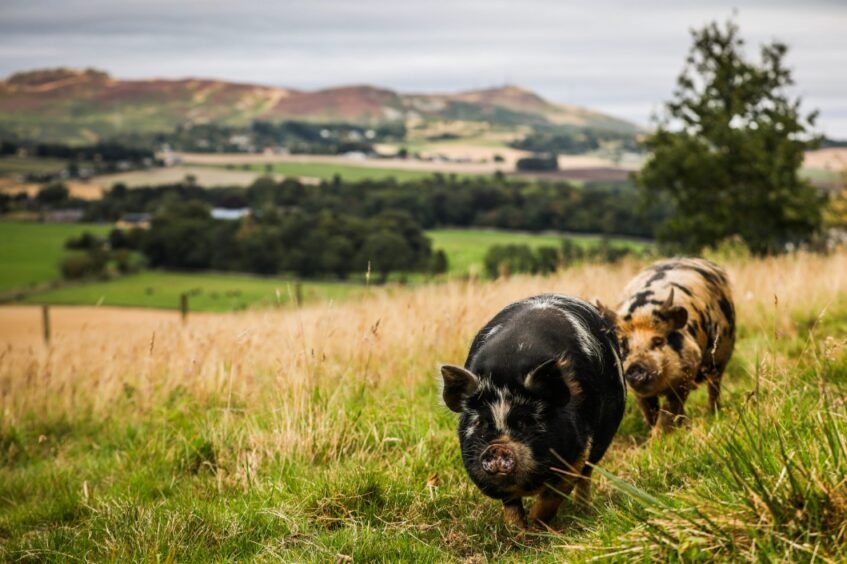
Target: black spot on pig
682 289
675 339
640 300
727 310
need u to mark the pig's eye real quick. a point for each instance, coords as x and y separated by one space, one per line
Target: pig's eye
481 424
657 342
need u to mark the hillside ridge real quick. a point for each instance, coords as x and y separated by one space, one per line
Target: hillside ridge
90 104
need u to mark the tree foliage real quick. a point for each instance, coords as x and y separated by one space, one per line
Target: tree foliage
183 235
726 153
610 208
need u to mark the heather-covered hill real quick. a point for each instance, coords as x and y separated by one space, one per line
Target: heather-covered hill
71 105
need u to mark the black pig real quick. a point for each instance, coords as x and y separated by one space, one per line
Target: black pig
541 393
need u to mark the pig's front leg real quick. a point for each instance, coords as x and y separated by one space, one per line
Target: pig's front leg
673 413
548 501
513 513
650 408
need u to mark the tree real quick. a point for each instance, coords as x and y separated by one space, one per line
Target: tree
503 260
726 153
438 263
539 163
53 195
387 252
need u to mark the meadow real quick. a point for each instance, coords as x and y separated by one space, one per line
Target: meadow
317 434
466 248
205 291
349 172
30 252
14 165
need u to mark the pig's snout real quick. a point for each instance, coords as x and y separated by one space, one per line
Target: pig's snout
637 375
498 459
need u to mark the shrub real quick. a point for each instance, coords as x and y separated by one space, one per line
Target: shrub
539 163
503 260
78 266
85 242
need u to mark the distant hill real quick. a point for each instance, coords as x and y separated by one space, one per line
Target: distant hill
82 106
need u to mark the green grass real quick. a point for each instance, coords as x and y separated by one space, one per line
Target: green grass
466 248
207 292
30 252
195 480
350 173
12 166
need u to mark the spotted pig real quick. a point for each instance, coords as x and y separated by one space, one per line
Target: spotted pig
676 325
540 395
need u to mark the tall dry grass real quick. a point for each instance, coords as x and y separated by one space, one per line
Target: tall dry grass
273 361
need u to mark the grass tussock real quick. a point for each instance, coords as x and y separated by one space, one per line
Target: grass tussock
317 434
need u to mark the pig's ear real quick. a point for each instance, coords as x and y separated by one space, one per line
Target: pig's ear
606 313
549 376
677 316
459 383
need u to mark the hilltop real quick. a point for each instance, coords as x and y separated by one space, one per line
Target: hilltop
73 105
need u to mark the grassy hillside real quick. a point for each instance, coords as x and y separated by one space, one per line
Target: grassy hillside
30 252
317 434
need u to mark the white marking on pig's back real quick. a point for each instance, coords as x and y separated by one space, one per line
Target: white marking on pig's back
618 367
587 342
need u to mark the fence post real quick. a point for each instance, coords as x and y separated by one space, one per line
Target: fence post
45 319
183 306
298 293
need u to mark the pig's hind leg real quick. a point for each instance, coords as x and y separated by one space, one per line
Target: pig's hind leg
714 385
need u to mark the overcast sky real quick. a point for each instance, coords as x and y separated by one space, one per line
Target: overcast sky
617 56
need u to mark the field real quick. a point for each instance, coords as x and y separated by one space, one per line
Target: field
203 176
466 248
350 173
30 252
12 166
206 292
316 434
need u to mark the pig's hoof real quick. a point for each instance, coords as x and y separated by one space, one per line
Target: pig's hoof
541 527
519 524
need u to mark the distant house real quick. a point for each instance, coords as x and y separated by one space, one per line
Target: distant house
134 220
227 214
168 157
